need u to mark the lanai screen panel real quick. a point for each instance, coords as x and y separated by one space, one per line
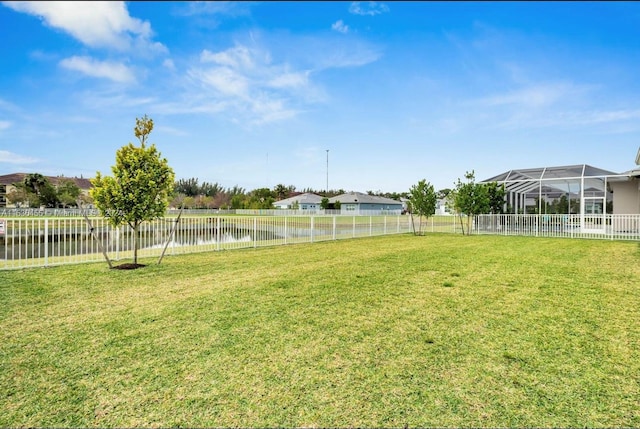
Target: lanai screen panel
554 189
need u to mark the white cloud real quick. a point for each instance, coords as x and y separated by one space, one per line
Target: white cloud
116 72
5 125
545 105
340 27
236 57
250 87
534 96
7 157
172 131
168 63
370 8
270 110
223 79
254 88
341 56
210 14
585 118
228 8
615 115
98 24
292 80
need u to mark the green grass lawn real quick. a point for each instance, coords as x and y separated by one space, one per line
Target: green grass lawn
442 330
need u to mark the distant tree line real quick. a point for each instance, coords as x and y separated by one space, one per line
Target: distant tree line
191 194
36 190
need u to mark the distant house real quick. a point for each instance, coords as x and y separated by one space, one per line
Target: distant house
442 207
359 203
7 181
306 201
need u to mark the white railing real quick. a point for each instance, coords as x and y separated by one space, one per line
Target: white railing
39 242
42 241
608 227
75 212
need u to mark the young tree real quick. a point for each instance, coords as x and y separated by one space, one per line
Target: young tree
140 187
324 203
35 184
495 194
20 196
48 195
422 202
237 201
470 199
68 192
261 198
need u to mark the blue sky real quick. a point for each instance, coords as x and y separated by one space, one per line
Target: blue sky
253 94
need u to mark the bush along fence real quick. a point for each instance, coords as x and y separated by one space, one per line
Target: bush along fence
42 241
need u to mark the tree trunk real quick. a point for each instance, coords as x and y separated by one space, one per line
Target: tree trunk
95 236
413 225
135 244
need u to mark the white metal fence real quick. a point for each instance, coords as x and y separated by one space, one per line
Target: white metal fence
598 226
38 241
42 241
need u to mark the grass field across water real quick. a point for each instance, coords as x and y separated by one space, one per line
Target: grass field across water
391 331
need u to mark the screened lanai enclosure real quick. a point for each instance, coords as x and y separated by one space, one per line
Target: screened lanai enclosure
580 191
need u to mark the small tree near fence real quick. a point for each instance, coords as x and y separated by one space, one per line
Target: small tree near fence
140 187
324 203
422 203
470 199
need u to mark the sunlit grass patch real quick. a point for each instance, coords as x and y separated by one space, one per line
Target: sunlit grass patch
391 331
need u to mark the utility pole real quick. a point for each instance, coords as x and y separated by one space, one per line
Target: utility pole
327 188
267 169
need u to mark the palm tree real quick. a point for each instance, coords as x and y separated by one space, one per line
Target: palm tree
281 191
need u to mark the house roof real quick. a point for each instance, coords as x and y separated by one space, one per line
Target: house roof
10 179
361 198
627 175
306 198
545 173
555 180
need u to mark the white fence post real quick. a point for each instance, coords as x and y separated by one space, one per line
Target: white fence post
286 233
218 234
353 232
255 230
333 233
46 242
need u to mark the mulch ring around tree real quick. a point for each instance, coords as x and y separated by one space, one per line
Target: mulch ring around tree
128 266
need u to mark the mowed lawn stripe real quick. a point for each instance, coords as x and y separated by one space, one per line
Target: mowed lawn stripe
440 330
